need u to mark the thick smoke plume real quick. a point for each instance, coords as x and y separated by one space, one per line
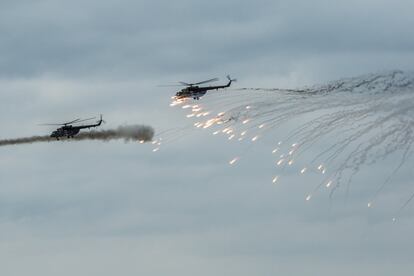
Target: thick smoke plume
127 133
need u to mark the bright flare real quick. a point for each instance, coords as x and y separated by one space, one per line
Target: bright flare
234 160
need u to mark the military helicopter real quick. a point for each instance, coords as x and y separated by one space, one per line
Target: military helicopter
68 130
193 90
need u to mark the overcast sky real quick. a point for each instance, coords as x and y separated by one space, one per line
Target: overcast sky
119 209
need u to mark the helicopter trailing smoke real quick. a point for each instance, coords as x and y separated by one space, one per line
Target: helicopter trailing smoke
335 129
139 133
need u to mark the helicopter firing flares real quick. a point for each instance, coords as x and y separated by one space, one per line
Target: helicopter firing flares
333 130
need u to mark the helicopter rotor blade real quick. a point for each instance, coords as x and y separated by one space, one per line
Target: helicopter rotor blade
85 119
67 123
186 84
61 124
171 85
50 124
71 122
182 83
206 81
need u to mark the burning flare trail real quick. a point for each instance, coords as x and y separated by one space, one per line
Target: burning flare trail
331 131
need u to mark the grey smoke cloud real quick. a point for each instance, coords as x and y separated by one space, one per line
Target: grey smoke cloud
127 133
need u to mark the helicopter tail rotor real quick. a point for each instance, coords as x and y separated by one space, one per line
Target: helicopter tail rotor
102 120
230 79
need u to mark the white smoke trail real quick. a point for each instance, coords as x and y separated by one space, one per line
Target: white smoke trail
357 121
139 133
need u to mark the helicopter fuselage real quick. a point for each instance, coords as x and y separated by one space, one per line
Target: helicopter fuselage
70 131
197 92
65 131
